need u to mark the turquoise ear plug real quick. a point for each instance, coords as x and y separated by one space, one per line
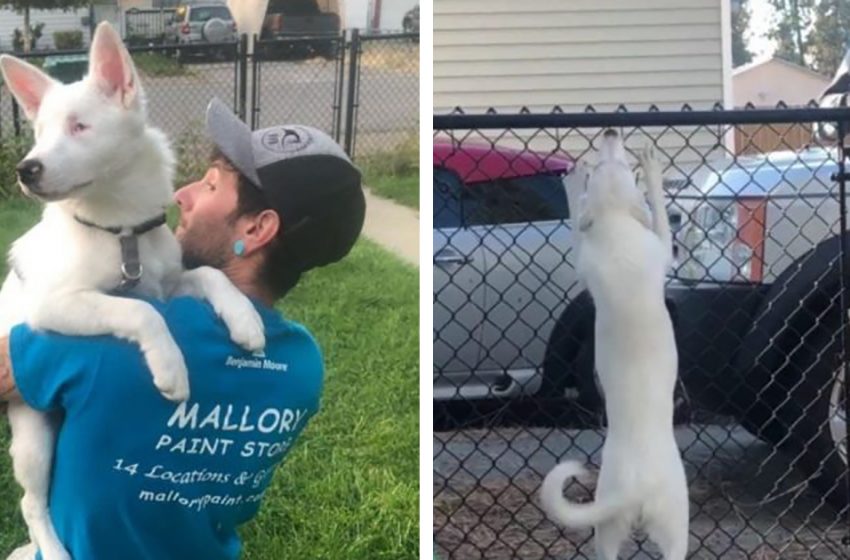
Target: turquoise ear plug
239 248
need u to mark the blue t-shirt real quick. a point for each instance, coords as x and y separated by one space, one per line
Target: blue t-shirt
139 477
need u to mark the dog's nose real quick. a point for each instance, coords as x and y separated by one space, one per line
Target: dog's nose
30 172
610 133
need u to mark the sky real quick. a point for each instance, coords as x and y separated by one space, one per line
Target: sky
762 15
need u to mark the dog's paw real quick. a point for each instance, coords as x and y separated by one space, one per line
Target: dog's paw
54 553
650 164
169 371
246 327
648 158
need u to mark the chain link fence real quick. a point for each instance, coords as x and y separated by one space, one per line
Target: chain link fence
321 81
758 301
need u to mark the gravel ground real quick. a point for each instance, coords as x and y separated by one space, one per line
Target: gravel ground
745 500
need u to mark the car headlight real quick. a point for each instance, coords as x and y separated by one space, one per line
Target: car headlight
723 241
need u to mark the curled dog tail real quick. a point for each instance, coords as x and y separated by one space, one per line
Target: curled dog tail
572 514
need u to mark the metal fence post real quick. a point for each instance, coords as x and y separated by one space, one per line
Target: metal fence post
255 86
351 104
16 118
242 62
339 87
845 331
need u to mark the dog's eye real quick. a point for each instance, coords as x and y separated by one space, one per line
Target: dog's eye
78 127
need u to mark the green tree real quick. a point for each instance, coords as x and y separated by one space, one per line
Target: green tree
740 25
24 7
830 35
793 18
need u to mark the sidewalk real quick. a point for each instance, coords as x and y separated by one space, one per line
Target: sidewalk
392 226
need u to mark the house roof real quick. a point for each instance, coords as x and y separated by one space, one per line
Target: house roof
757 63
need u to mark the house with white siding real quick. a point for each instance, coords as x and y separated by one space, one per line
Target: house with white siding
508 55
53 20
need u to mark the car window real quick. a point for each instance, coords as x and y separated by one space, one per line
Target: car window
515 200
447 195
205 14
294 7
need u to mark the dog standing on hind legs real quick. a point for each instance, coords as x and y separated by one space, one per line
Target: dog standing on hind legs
623 256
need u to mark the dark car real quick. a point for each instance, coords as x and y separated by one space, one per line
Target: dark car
300 29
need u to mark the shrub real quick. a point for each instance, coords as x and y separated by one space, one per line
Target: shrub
12 150
18 37
68 40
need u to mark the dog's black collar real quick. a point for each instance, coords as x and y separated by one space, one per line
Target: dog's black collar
140 229
131 266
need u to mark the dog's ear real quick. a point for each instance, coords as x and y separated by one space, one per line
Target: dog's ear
26 82
111 67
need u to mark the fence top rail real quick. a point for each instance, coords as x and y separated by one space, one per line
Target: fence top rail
388 36
490 121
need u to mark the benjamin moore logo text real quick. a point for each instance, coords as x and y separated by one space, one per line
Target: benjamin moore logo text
256 362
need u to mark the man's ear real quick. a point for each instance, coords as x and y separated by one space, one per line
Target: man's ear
261 230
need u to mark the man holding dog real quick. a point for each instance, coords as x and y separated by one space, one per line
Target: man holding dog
138 477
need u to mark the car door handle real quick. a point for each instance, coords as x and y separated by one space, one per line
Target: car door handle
450 257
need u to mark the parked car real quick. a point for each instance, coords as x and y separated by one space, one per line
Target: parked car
754 294
298 19
195 26
497 281
410 22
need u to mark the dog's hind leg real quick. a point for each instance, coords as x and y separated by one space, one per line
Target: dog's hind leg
33 439
655 194
668 528
610 536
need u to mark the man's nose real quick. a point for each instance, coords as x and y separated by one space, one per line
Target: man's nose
183 198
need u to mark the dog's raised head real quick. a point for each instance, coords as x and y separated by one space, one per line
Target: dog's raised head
611 184
78 126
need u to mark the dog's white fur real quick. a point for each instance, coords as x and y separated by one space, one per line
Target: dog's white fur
117 172
623 257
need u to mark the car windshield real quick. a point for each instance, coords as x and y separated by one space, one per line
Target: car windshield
205 14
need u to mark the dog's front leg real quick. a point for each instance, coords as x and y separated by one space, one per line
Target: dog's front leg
92 313
33 440
234 307
655 193
574 185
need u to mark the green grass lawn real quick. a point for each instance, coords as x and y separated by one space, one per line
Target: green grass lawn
350 488
403 189
156 64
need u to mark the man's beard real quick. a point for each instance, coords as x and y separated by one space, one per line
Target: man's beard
205 246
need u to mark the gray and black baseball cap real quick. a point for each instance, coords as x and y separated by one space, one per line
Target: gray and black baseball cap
305 176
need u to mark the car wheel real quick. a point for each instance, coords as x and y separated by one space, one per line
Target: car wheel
800 407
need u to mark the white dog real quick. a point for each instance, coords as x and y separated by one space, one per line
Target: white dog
623 257
106 178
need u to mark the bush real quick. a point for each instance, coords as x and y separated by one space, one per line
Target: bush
18 37
403 159
12 150
68 40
